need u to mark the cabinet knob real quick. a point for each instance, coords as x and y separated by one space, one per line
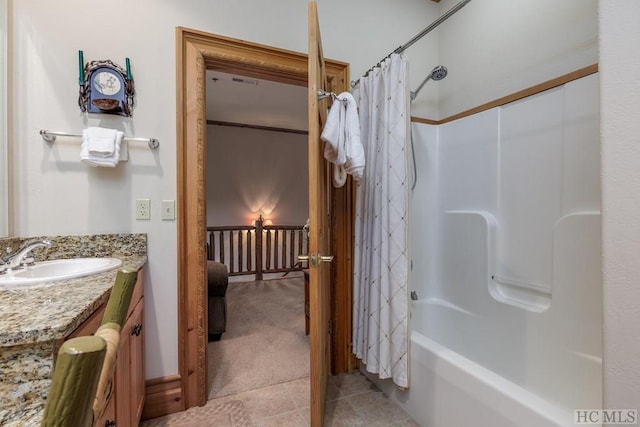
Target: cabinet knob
136 330
109 423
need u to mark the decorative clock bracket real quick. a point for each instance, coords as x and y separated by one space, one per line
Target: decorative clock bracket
105 87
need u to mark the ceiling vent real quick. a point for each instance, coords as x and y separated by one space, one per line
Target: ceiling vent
244 80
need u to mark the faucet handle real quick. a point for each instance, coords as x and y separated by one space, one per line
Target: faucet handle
4 259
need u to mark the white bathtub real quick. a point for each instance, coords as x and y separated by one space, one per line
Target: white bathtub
456 392
448 389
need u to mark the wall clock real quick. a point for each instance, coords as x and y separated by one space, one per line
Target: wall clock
105 87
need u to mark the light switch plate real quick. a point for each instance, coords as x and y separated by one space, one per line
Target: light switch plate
143 209
168 210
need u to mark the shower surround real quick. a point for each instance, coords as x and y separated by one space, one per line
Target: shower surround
506 248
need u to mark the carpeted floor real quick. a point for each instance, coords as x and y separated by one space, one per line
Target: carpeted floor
265 342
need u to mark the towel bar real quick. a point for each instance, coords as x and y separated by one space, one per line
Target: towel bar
50 137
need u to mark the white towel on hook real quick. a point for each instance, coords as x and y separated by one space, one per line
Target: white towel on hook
342 136
100 146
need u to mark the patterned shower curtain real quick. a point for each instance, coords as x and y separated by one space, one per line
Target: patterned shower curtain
380 315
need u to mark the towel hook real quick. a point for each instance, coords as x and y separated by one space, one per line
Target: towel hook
324 94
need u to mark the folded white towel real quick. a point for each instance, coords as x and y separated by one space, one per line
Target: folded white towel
101 141
342 136
94 151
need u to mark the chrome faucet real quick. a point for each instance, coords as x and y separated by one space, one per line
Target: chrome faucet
15 261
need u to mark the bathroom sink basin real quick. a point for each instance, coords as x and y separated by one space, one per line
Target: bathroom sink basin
59 269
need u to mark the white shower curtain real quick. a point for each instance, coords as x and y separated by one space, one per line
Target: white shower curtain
380 315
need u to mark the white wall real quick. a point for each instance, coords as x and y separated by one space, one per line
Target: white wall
620 127
4 175
495 47
55 194
253 172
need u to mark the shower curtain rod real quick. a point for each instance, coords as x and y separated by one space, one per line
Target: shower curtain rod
417 37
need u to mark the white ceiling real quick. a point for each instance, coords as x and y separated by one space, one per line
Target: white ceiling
246 100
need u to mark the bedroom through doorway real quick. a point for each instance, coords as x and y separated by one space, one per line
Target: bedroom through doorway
256 189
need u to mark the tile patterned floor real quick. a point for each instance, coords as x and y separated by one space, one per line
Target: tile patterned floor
352 400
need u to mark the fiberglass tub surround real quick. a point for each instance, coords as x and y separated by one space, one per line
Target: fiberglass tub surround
506 263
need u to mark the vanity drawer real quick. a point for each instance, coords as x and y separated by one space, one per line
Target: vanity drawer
91 325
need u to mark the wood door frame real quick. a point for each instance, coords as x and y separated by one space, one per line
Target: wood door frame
197 51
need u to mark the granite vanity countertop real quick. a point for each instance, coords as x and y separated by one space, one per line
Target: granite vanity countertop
52 310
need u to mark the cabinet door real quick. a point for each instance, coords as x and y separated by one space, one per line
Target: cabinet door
108 418
129 375
123 375
136 363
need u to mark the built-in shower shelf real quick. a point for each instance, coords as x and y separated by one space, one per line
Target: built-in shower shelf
525 295
479 229
544 290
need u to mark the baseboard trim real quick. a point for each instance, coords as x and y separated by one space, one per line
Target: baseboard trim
163 397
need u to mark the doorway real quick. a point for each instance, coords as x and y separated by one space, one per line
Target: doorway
257 206
196 52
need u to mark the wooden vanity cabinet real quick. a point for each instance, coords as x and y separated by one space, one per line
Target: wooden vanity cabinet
124 408
129 375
